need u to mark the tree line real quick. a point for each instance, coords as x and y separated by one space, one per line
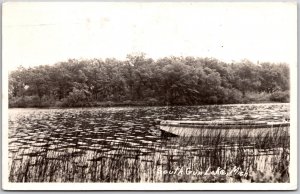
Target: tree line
139 80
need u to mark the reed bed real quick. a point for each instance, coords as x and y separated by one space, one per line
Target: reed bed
264 158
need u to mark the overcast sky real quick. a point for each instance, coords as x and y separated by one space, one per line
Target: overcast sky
45 33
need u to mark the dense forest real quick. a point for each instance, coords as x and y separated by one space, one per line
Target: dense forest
139 80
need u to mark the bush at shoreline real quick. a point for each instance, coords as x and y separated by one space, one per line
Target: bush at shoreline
33 102
142 81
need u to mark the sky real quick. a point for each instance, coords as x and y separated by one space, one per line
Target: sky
36 33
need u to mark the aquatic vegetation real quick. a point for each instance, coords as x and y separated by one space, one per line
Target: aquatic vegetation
126 145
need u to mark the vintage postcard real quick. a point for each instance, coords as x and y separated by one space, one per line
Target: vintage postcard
149 96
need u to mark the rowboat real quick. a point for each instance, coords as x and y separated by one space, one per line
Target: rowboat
228 128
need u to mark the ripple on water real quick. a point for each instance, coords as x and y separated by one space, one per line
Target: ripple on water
132 129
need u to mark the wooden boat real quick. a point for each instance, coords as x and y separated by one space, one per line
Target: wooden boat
228 128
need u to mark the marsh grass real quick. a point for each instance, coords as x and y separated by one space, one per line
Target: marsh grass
265 158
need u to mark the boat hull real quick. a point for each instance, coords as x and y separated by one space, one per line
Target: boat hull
227 129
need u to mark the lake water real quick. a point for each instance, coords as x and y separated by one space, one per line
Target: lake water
84 131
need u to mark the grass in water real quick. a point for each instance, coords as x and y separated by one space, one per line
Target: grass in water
243 158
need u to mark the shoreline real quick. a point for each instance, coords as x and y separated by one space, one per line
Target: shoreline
144 105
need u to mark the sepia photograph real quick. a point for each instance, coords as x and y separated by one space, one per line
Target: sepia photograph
130 95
